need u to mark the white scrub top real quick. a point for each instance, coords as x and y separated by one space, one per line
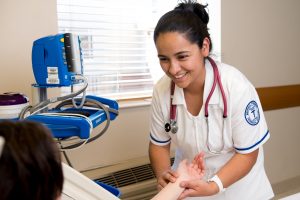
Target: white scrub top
245 130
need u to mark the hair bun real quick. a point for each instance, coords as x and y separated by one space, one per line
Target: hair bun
198 9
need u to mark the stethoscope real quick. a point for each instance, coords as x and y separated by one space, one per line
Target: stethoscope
172 125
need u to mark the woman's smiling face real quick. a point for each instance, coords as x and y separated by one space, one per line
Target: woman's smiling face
181 60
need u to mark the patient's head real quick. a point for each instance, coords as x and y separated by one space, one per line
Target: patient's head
30 164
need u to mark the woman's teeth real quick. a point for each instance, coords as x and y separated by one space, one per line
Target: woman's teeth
180 76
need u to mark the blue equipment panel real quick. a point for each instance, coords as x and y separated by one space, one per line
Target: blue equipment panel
64 124
56 60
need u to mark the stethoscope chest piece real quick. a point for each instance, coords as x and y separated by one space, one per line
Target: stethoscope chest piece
167 127
172 126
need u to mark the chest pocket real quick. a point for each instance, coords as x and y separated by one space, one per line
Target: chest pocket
215 129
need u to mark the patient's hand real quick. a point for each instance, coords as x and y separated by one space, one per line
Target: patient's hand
187 172
192 171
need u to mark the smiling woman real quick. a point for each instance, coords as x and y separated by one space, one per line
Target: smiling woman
227 124
179 58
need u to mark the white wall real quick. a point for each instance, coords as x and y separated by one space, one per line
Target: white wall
21 22
258 37
261 38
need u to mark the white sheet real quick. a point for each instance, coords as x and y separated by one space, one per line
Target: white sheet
79 187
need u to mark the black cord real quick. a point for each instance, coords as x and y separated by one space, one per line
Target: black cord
66 156
96 104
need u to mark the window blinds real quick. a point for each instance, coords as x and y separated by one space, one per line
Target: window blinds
116 41
120 59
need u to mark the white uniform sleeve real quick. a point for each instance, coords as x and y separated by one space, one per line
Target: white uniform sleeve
158 136
249 127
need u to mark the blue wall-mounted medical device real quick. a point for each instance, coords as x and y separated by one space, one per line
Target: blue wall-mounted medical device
56 60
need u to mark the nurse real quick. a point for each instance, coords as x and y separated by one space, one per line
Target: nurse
232 145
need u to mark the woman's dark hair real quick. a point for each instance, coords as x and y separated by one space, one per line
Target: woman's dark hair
30 164
189 18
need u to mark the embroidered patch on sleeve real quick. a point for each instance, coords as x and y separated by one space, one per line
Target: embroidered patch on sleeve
252 113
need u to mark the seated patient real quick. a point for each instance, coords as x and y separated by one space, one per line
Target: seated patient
184 172
30 163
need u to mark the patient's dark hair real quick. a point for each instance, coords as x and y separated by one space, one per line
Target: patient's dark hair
30 164
189 18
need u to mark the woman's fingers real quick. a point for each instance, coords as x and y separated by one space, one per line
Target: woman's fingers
190 188
199 161
165 178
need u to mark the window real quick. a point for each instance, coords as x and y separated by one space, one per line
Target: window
119 55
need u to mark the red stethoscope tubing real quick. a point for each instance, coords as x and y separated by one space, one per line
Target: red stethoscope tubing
217 80
172 107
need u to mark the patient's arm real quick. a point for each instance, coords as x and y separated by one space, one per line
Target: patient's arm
186 171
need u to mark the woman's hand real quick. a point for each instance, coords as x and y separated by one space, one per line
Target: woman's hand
165 178
199 162
190 171
193 183
198 188
185 171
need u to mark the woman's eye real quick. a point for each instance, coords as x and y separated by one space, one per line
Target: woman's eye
181 57
162 59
